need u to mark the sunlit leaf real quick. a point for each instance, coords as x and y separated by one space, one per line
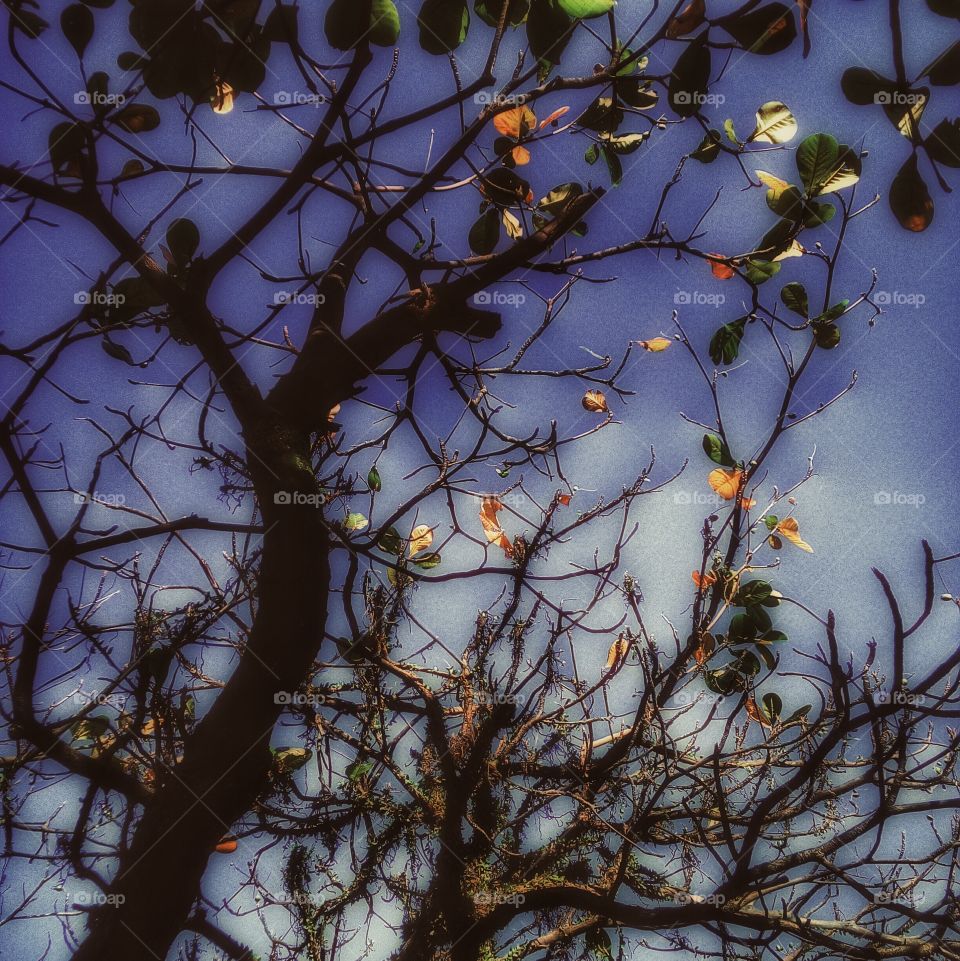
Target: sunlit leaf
789 530
618 651
595 401
355 522
720 269
489 509
583 9
554 117
421 537
775 124
727 483
656 344
516 122
512 225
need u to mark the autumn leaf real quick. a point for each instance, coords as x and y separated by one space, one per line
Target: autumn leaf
705 648
775 542
516 122
554 117
563 499
655 345
719 269
705 581
754 711
595 401
747 503
222 99
491 525
726 483
421 537
227 845
618 651
521 156
789 529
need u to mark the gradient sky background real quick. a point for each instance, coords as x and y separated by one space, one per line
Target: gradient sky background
895 434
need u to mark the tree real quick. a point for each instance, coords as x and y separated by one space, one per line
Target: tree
361 661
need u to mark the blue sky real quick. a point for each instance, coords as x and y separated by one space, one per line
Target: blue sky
886 454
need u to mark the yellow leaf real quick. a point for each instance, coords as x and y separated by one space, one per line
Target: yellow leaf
768 180
794 250
516 122
491 525
421 537
222 99
790 530
595 401
726 483
554 117
512 226
655 345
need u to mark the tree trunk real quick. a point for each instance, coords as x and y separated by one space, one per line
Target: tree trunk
226 761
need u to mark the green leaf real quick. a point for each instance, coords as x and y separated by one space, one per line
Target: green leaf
592 154
690 78
752 592
771 520
769 30
800 712
832 313
603 115
730 131
584 9
556 200
428 561
741 629
717 450
347 22
772 706
759 617
817 214
725 343
817 158
384 23
709 148
748 663
358 769
485 232
827 336
489 11
625 143
614 167
637 92
504 187
391 542
775 124
90 728
846 172
598 943
183 238
443 25
290 759
76 22
910 199
786 203
373 479
760 271
548 32
794 297
355 522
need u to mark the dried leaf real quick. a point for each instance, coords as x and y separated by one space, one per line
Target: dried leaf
789 529
618 651
595 401
491 525
655 345
421 537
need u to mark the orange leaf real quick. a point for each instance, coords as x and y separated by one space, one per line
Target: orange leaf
516 122
746 502
491 525
618 651
554 117
704 582
227 845
720 270
790 530
564 499
521 156
655 345
754 711
704 648
595 401
726 483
